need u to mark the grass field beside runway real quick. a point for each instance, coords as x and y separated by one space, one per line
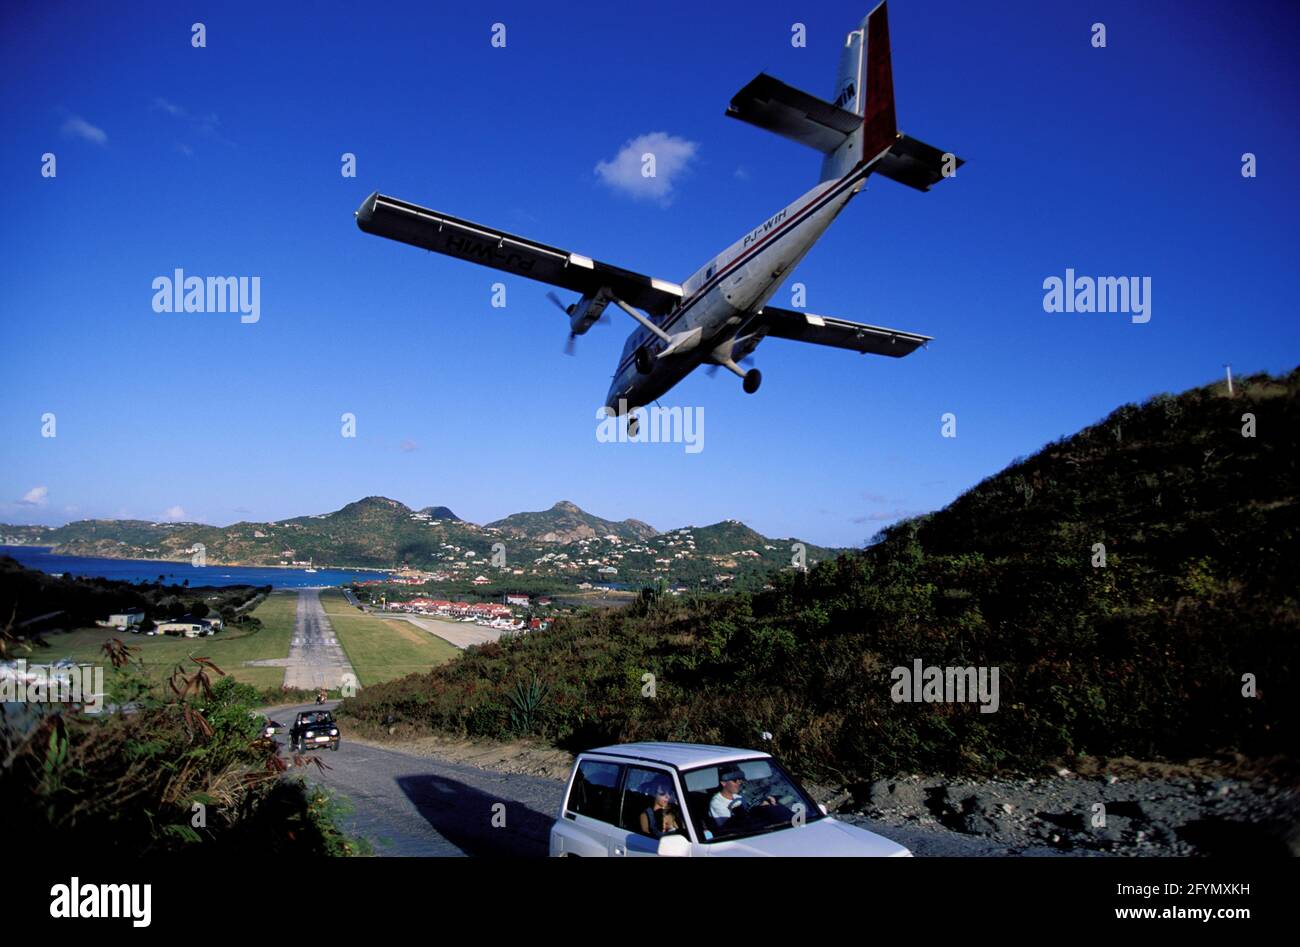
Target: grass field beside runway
382 649
228 649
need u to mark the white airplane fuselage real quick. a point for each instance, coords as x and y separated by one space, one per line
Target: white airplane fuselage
719 298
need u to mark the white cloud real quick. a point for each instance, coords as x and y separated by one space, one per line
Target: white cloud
886 516
36 496
78 127
625 172
174 513
198 126
169 108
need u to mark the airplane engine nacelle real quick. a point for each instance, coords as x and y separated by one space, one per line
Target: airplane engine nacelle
586 311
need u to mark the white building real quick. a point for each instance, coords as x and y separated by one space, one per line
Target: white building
189 627
126 619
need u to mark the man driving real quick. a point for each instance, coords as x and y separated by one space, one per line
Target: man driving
728 801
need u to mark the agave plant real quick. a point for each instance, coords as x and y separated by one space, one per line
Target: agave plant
527 702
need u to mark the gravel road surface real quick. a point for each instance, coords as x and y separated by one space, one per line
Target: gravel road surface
417 804
411 805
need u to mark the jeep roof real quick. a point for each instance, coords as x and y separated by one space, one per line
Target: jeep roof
680 755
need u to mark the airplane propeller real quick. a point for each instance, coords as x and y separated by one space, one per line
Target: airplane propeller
570 346
567 310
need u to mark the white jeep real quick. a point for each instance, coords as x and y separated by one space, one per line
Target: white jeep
693 799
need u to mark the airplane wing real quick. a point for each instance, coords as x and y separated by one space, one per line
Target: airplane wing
839 333
421 227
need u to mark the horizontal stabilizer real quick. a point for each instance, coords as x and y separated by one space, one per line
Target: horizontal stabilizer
771 104
915 164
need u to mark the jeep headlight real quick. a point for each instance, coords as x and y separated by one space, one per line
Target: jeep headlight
334 733
310 734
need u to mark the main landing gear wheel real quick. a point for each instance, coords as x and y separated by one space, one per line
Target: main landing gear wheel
753 378
644 363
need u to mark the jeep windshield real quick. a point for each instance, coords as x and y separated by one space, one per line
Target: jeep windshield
749 797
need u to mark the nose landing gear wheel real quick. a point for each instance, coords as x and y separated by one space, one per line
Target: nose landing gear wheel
753 378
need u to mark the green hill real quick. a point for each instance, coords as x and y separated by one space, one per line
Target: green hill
731 537
380 533
566 522
726 538
1149 652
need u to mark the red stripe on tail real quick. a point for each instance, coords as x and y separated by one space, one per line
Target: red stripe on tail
879 123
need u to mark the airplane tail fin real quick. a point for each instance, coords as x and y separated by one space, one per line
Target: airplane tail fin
865 87
860 126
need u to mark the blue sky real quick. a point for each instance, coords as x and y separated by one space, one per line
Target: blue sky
226 161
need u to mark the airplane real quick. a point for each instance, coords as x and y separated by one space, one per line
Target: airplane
719 315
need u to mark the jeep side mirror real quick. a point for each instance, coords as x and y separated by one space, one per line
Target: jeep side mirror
674 846
825 811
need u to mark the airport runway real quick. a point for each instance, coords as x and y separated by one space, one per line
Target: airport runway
315 657
461 634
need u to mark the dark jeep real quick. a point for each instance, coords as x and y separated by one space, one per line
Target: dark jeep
314 729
